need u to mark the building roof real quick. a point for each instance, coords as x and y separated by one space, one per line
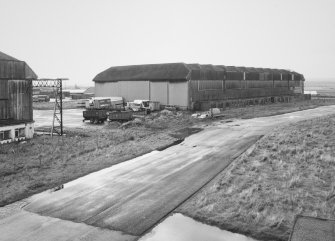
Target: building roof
90 90
173 71
4 56
176 71
12 68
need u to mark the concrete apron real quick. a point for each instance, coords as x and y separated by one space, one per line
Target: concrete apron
133 196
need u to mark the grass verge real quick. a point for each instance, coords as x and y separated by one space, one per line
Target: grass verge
289 172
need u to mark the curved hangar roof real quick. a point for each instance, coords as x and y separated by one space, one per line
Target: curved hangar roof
180 72
12 68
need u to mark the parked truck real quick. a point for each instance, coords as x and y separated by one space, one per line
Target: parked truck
95 116
41 98
145 106
104 103
98 107
120 116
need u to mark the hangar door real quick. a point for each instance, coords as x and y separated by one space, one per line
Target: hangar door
178 94
134 90
159 92
107 89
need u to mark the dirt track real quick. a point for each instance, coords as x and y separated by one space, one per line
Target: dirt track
72 118
133 196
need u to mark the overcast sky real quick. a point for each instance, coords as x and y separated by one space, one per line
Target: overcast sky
80 38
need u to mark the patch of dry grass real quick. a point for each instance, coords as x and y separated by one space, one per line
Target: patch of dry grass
289 172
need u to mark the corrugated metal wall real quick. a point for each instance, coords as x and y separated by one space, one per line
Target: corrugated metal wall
4 99
4 109
16 100
201 90
3 89
20 100
12 69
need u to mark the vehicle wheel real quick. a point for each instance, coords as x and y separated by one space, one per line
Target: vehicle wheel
96 121
91 121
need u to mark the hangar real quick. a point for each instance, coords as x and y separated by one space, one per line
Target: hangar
195 86
16 109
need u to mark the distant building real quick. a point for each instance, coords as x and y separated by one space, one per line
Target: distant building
36 91
311 92
195 86
76 94
90 91
16 109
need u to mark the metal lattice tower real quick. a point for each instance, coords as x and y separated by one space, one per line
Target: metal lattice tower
57 84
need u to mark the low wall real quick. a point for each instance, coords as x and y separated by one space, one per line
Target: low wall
18 132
